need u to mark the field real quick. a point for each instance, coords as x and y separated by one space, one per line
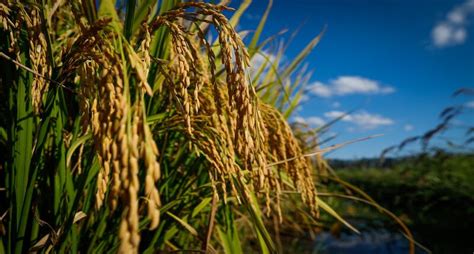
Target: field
130 130
160 127
433 194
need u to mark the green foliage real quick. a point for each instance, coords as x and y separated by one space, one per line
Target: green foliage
432 193
416 182
53 159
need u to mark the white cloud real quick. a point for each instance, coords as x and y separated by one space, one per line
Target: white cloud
345 85
456 16
446 34
362 119
335 114
299 119
312 120
452 30
315 121
304 98
408 127
469 104
320 89
336 104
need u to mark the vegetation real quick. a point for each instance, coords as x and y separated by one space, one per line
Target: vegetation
126 128
433 194
141 126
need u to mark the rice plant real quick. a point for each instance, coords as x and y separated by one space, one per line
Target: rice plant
125 128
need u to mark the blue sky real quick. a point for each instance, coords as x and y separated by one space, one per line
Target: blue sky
396 62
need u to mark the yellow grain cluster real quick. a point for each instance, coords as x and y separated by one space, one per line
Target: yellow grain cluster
4 13
284 148
184 72
37 46
10 23
122 138
219 110
236 124
38 56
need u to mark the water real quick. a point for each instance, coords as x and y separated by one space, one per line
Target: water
383 241
373 241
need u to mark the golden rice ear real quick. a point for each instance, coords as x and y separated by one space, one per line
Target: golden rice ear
238 119
122 137
234 57
149 154
141 62
116 128
238 138
184 72
4 20
39 63
11 23
283 145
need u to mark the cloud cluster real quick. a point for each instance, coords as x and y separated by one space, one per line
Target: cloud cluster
363 119
346 85
452 30
408 127
312 120
469 104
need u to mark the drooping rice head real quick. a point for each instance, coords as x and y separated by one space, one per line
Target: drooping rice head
212 100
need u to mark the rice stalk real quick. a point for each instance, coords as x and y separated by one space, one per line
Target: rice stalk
95 85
